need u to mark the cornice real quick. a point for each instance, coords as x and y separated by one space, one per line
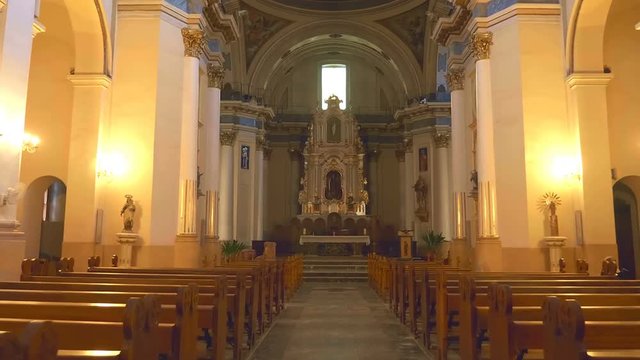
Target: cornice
533 12
3 3
588 79
422 111
450 26
90 80
247 109
219 21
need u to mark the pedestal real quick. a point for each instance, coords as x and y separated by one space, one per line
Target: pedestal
555 245
406 236
488 254
126 241
269 250
187 251
459 256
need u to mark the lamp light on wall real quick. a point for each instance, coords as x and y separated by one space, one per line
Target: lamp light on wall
638 25
111 165
565 167
30 143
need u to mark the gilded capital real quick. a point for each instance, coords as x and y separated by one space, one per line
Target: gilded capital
261 143
441 139
407 144
481 45
455 79
215 75
267 153
193 41
227 137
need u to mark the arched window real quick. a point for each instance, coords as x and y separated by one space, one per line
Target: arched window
334 82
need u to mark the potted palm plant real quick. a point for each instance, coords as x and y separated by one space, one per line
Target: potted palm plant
433 242
231 250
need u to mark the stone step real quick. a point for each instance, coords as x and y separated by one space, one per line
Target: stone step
336 267
335 273
333 279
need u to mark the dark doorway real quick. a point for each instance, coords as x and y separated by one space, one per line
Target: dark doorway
626 220
52 226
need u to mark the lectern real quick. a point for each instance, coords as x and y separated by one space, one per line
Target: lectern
406 236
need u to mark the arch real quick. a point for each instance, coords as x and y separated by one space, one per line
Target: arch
374 36
585 36
32 213
627 219
91 36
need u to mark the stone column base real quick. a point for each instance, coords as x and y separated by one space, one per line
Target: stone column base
555 244
187 251
459 254
488 254
126 241
211 253
12 248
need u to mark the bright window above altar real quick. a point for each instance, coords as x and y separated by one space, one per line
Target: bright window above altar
334 82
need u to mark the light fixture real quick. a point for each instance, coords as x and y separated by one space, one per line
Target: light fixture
30 143
110 165
638 26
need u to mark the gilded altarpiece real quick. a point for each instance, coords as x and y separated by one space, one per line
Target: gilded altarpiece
333 180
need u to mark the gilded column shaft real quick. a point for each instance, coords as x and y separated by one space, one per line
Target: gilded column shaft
455 80
226 213
188 204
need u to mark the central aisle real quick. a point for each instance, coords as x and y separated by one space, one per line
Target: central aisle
337 321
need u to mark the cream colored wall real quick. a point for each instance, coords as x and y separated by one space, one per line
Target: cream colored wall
622 49
244 189
388 193
145 132
50 95
278 188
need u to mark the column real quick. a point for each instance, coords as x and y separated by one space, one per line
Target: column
211 254
187 250
373 181
588 113
459 174
225 218
260 143
15 56
266 153
488 246
401 183
90 104
442 195
294 153
409 193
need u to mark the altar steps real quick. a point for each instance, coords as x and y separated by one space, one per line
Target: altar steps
335 269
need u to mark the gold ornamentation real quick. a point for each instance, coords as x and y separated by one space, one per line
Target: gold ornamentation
227 137
550 201
261 143
455 79
267 153
407 144
400 155
216 75
481 45
441 139
193 41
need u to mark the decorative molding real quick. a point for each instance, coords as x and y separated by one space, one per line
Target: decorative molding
227 137
441 139
90 80
38 26
423 111
407 144
193 41
3 3
220 22
215 73
267 153
261 143
400 155
451 26
481 45
588 79
455 79
248 109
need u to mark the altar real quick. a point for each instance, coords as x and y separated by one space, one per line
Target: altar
334 245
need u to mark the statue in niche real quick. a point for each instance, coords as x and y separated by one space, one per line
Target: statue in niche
421 193
333 186
333 130
127 212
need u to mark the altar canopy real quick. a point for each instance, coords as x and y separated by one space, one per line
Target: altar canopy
333 180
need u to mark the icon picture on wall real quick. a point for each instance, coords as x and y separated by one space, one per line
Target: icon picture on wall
423 157
244 157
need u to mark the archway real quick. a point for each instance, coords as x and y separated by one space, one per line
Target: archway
625 206
43 213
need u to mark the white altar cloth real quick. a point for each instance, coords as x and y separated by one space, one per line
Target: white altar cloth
337 239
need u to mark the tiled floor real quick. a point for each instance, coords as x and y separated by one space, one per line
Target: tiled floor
337 321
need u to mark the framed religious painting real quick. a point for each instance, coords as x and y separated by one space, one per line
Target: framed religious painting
244 157
423 159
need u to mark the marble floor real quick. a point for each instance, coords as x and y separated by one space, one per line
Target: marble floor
337 321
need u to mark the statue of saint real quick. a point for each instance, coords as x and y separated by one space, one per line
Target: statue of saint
333 186
127 212
421 193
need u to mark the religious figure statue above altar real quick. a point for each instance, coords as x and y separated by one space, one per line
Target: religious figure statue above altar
333 179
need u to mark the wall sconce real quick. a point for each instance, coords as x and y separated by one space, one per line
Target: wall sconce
565 167
30 143
110 165
638 26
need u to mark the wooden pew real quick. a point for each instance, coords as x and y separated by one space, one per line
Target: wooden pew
568 336
514 332
214 292
136 335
